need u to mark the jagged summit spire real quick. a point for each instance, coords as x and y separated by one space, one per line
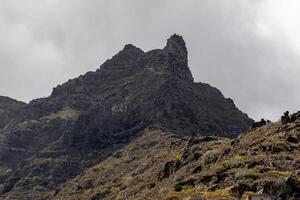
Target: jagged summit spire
177 46
171 61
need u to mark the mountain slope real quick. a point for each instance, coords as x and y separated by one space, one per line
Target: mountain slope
263 162
9 109
87 118
151 88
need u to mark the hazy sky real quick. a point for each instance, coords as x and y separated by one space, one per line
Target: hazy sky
249 49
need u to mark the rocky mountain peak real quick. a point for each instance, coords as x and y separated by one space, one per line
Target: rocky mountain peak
124 58
130 51
132 48
178 58
89 117
171 61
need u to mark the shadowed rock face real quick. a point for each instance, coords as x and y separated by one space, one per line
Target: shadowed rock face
136 89
9 109
106 109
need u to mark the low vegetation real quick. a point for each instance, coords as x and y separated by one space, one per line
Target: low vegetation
262 161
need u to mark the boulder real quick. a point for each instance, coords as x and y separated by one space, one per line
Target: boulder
170 168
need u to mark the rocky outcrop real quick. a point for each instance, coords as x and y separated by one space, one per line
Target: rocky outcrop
178 54
170 168
262 122
287 118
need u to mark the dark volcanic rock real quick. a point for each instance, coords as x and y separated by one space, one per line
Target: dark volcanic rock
105 109
262 122
285 118
135 89
178 57
170 168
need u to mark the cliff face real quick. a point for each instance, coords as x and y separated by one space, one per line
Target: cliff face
135 89
101 111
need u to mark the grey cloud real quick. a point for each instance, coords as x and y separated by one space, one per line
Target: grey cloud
45 42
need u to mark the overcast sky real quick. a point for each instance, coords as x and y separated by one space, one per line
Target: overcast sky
249 49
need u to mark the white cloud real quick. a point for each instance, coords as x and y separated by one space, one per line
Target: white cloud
279 20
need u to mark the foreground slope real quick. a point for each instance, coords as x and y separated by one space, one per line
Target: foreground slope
86 119
159 165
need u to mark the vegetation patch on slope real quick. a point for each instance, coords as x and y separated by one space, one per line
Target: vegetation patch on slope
263 162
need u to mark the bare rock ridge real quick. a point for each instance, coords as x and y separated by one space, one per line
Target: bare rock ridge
87 118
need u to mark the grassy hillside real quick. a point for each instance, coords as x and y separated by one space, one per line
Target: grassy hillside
158 165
